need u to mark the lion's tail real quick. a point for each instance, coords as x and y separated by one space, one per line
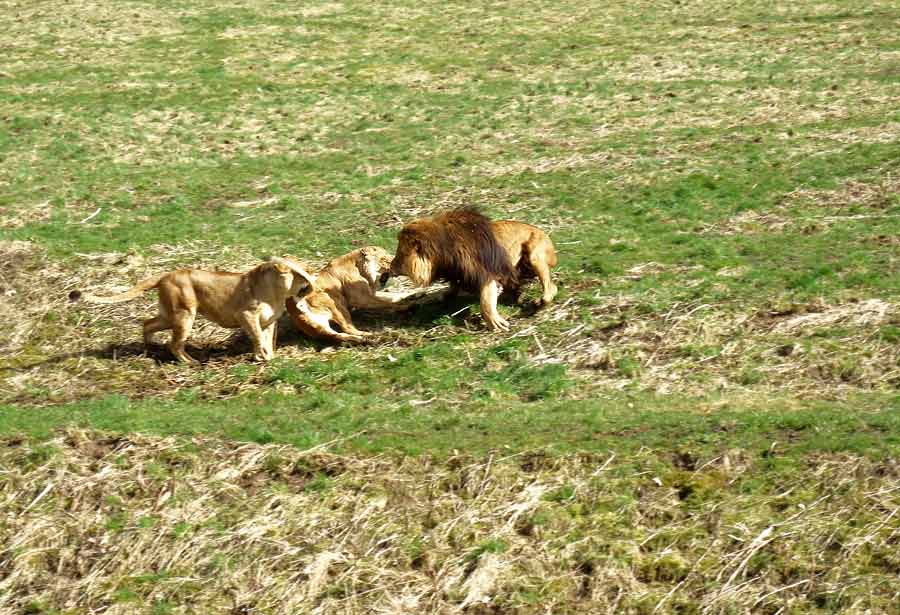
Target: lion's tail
132 293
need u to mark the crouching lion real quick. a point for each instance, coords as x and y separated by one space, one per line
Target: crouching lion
348 282
252 301
472 253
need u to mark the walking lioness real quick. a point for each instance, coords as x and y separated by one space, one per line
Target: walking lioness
252 301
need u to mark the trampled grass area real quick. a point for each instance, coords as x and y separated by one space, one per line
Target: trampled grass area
722 182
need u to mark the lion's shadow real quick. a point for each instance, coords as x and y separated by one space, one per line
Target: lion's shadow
159 352
421 317
458 309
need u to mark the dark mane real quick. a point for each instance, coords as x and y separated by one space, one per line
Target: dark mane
463 248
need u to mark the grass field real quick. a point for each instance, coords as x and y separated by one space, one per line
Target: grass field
707 420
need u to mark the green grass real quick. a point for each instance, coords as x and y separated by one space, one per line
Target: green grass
710 173
345 420
703 184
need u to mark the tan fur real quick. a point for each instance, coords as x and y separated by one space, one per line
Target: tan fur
346 283
252 301
473 253
419 269
531 252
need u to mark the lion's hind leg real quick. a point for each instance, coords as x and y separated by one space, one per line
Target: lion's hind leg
177 311
490 293
183 321
154 325
321 324
541 267
316 323
341 315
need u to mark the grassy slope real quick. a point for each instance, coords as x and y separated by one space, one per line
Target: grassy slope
703 176
721 181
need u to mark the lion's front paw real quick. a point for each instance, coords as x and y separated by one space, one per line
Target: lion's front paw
498 323
263 355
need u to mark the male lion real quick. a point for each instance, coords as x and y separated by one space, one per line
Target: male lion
348 282
468 250
252 301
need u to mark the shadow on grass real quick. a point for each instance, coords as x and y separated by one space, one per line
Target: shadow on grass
456 310
236 346
450 309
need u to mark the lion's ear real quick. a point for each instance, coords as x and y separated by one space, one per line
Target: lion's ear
285 265
281 268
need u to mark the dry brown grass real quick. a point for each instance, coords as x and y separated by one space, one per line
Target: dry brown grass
94 523
812 349
108 25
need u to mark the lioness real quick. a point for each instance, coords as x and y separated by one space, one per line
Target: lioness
252 301
531 252
468 250
348 282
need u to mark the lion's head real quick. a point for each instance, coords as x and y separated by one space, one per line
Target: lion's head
286 274
458 246
413 258
374 264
